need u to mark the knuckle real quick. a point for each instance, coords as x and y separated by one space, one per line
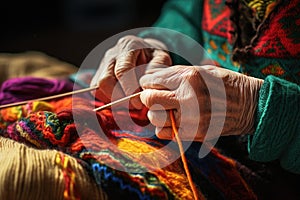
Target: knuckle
149 100
193 72
124 63
167 59
119 71
146 98
123 39
192 75
126 38
127 41
130 53
164 58
131 42
109 53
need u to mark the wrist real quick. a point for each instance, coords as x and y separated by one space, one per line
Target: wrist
253 88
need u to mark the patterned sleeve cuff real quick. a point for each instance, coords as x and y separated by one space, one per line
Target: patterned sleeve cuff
277 135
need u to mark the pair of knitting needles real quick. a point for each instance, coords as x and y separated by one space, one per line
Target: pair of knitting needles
174 128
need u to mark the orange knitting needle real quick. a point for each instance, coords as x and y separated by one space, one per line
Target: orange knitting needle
183 158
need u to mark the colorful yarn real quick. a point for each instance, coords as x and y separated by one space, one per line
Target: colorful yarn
26 88
261 8
29 173
69 176
118 162
41 129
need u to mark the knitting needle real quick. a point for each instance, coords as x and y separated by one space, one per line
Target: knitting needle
183 158
117 101
50 97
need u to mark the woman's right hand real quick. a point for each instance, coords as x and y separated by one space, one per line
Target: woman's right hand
124 59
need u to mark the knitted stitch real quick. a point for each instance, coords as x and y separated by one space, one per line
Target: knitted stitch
268 143
44 129
29 173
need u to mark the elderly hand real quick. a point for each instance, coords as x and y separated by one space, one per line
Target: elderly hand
118 70
195 93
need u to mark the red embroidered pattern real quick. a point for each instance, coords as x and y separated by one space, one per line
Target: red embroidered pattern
215 18
280 39
274 69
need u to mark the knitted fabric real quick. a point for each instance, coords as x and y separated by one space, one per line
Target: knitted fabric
279 35
54 128
267 144
29 173
256 38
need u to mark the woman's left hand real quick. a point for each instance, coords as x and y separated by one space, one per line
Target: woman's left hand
202 97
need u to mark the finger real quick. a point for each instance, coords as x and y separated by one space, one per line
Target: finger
161 59
109 90
125 73
107 64
162 79
106 68
142 57
164 133
160 118
107 84
166 99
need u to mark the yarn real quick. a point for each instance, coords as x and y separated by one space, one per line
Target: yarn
28 173
69 176
111 160
26 88
41 129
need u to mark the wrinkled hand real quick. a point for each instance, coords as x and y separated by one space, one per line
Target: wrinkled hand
118 71
195 94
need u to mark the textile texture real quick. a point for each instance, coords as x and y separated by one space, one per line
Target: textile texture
50 126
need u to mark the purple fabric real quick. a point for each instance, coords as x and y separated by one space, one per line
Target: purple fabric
26 88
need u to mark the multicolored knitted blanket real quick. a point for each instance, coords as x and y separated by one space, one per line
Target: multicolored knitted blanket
66 126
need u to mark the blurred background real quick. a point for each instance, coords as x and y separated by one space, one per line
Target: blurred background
69 29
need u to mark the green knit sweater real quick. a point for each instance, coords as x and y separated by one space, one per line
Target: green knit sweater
262 44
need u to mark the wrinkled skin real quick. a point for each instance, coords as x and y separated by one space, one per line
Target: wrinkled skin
181 86
193 92
119 71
